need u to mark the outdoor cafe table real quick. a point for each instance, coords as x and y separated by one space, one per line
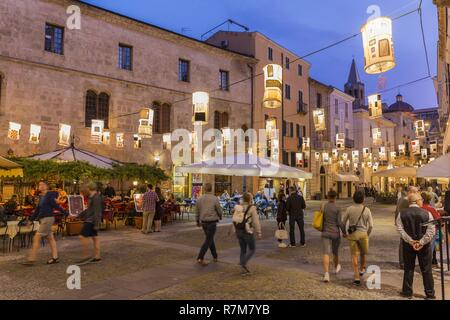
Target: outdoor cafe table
13 230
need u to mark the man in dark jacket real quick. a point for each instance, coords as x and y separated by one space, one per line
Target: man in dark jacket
44 214
295 207
91 217
416 240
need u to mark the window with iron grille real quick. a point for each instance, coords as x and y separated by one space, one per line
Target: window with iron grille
224 80
125 57
97 107
54 39
183 70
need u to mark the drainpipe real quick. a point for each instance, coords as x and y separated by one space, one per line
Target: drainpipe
252 102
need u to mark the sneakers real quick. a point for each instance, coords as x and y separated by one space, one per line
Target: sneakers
282 245
326 277
303 245
244 271
338 268
357 283
202 262
292 246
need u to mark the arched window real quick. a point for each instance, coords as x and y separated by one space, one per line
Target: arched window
97 107
220 120
156 117
224 120
217 122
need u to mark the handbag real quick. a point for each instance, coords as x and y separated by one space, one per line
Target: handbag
281 233
318 220
351 229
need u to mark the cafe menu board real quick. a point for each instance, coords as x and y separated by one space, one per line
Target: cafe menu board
76 205
138 202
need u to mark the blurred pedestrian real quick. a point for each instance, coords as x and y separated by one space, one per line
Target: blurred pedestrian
281 216
150 198
295 206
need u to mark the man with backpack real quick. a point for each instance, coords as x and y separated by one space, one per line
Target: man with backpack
208 213
295 207
246 224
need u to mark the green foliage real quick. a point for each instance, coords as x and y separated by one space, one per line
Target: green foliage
140 173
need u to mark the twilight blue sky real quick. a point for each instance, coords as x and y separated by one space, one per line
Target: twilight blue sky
307 25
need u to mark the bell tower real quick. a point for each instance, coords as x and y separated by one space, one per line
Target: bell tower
356 88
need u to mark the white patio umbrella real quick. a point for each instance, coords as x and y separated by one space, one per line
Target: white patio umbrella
400 172
74 154
439 168
244 165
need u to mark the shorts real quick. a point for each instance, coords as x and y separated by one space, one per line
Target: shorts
45 226
359 242
331 245
88 230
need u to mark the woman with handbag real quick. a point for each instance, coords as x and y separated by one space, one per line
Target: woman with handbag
360 223
281 234
331 234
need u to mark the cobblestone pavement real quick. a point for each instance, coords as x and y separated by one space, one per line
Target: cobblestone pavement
162 266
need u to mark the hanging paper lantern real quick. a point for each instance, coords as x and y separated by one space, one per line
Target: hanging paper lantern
306 144
341 164
424 153
376 136
378 45
299 159
340 141
200 102
393 155
35 134
375 106
369 164
317 156
326 157
345 156
64 135
382 154
137 141
355 156
167 141
273 86
415 146
335 154
366 153
106 138
319 119
145 129
375 166
97 131
433 147
355 166
401 150
420 129
14 130
119 140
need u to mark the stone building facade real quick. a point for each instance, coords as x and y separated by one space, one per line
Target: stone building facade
48 82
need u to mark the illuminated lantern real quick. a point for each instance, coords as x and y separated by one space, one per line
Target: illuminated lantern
319 120
64 135
35 134
335 154
420 129
375 106
271 128
365 153
355 156
14 131
200 101
433 147
167 141
363 165
347 164
382 154
275 150
376 136
137 141
145 129
326 157
340 141
97 131
345 156
375 166
299 159
306 144
317 156
378 45
415 146
355 165
119 140
401 150
393 155
226 136
424 153
273 86
106 138
341 164
369 164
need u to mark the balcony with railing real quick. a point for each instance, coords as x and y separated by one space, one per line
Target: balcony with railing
349 143
302 108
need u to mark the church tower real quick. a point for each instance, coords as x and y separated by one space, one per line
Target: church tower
356 88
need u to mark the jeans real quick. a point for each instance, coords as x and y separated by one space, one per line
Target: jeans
147 221
409 257
301 225
209 228
246 241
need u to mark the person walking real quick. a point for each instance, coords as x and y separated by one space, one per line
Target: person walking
159 209
360 222
246 229
281 216
403 203
208 213
331 234
91 218
416 243
150 199
295 206
44 214
436 216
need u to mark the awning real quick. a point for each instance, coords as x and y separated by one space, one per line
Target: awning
346 177
74 154
400 172
439 168
244 165
10 169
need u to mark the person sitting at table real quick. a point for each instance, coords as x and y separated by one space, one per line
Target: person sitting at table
109 191
11 206
3 217
225 196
